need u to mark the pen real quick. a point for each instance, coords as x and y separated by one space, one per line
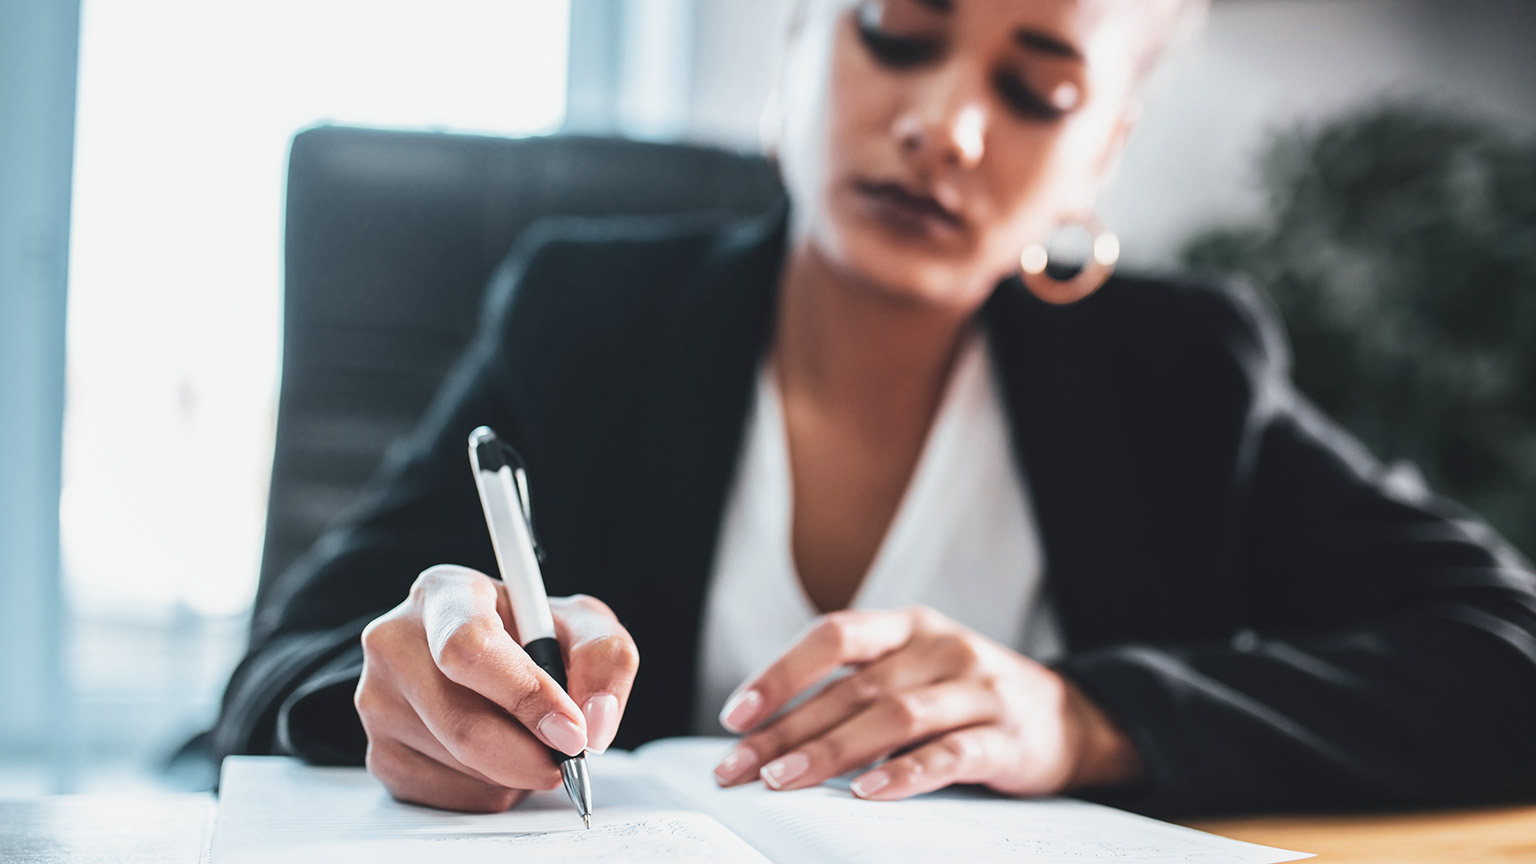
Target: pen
503 487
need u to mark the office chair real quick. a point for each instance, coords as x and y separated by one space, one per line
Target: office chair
390 239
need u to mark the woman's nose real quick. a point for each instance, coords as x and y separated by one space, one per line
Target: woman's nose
943 127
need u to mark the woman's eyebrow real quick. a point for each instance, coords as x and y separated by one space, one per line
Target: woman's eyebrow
1044 43
937 5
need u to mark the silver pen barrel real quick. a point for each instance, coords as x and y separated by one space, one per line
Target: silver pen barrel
573 772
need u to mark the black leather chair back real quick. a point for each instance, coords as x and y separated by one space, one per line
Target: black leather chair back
390 239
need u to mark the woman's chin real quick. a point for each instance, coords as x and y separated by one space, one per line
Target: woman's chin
906 272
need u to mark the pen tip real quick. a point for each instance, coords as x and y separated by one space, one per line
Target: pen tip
587 819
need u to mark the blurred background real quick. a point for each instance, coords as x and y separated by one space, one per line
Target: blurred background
1370 163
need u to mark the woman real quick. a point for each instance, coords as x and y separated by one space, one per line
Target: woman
1067 535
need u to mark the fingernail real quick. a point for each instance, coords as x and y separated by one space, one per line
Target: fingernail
562 733
602 712
870 783
783 771
736 764
740 712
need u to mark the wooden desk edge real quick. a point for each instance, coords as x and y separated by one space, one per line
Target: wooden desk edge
1493 835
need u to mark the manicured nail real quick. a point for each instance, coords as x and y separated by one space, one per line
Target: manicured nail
602 713
870 783
783 771
737 764
740 712
562 733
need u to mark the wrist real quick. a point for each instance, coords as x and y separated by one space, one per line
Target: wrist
1106 757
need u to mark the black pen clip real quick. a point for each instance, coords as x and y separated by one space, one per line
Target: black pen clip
502 454
521 477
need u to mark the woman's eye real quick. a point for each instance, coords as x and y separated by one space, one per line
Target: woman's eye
895 51
1024 101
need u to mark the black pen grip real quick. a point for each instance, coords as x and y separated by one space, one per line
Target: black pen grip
545 653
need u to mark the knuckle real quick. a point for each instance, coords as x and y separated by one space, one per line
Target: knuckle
930 620
767 744
365 700
379 636
923 617
613 653
380 765
532 696
960 650
428 581
441 578
587 601
832 752
864 689
464 646
371 636
907 712
492 799
467 736
906 770
956 750
500 800
833 631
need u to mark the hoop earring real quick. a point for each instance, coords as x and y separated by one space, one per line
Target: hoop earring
1036 257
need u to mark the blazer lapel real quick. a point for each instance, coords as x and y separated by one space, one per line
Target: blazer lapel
691 430
1067 397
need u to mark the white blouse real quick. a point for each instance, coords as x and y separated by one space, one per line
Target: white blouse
963 541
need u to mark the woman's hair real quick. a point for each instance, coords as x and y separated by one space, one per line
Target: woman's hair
1179 23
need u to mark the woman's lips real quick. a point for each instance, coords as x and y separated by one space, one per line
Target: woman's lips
913 212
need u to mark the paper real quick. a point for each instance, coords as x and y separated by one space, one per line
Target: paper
661 804
829 824
279 810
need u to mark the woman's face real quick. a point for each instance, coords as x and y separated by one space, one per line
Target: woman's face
926 142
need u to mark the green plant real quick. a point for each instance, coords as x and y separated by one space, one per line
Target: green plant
1400 248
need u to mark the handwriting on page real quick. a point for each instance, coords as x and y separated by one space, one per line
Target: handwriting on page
281 811
681 838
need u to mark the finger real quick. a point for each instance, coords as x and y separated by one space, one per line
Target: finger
922 661
412 777
600 663
835 640
963 756
890 723
387 715
469 642
478 734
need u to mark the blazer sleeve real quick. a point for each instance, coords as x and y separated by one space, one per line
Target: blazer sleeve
1388 656
292 693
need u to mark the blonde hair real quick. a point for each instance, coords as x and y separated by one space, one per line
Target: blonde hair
1180 22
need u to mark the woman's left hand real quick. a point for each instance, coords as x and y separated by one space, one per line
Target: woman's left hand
954 706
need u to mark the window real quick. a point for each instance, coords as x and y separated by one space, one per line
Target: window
185 111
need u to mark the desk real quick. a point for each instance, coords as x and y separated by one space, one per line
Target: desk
173 829
90 829
1492 836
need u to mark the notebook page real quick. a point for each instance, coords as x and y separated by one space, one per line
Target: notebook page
280 810
829 824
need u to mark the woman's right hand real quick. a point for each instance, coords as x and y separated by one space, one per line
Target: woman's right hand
458 716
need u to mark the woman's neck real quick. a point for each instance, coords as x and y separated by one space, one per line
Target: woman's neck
878 361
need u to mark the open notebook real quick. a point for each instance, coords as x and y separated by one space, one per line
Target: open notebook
660 803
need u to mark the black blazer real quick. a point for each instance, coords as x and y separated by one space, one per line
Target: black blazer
1274 618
